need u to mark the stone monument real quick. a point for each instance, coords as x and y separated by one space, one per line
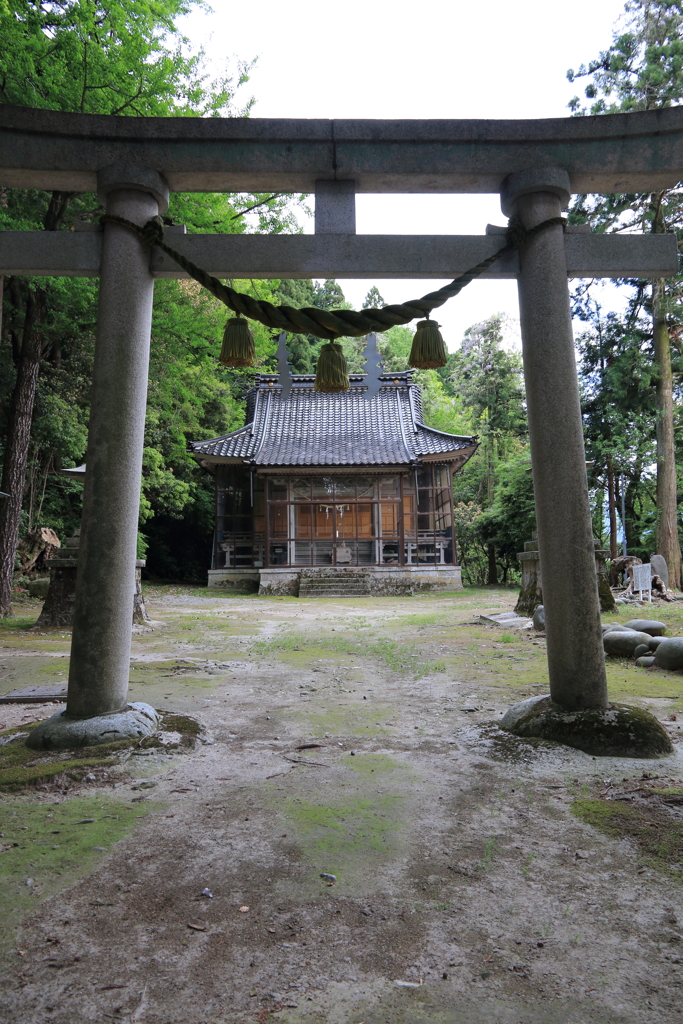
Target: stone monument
660 568
531 593
58 608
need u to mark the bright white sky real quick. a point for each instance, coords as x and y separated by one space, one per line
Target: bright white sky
434 59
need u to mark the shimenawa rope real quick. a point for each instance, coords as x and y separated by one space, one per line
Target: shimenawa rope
323 323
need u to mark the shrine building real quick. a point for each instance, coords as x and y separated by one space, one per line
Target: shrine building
336 494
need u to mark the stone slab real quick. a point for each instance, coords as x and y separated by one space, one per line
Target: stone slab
34 695
509 620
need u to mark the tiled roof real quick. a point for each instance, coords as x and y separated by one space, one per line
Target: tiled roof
346 429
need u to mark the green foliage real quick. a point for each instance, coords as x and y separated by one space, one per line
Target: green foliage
641 70
126 57
112 57
493 508
618 379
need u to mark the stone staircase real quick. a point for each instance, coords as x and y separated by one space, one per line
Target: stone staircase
334 583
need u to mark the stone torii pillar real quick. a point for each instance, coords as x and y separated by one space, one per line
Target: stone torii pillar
97 709
576 656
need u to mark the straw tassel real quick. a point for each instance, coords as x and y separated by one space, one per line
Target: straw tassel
331 373
428 351
238 347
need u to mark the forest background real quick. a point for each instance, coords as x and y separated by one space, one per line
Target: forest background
127 57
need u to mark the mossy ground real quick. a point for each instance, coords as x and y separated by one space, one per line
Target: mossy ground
45 847
651 824
21 767
458 860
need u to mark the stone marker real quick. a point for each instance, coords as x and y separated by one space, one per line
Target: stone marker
650 626
642 578
660 568
539 619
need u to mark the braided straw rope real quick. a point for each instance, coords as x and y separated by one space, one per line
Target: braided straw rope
323 323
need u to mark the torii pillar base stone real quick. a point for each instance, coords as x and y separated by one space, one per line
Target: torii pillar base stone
97 710
577 711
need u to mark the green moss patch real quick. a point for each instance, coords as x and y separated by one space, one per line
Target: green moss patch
46 847
395 656
349 827
658 836
21 767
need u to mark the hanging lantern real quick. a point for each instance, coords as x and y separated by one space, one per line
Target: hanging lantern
238 344
428 351
331 373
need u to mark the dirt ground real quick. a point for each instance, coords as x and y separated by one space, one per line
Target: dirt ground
353 841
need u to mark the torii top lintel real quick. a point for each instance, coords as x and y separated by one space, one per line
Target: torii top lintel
51 149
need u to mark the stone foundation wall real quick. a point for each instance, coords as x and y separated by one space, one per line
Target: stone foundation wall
240 581
380 579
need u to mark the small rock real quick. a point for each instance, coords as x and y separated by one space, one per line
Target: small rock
40 587
640 650
538 619
650 626
645 661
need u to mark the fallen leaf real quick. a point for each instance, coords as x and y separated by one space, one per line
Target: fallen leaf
243 910
197 927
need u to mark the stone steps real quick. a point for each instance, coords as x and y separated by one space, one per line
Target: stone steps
337 585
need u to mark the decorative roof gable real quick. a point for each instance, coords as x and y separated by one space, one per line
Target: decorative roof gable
313 429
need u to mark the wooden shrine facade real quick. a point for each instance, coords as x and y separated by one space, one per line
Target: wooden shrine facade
343 484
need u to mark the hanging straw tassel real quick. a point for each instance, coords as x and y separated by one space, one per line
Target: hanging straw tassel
331 373
238 344
428 351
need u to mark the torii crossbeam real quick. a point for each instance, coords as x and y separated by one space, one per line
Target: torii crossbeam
534 165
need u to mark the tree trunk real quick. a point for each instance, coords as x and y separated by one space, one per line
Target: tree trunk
493 566
667 506
21 413
16 450
612 504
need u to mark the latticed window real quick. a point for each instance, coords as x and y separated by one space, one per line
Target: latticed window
347 520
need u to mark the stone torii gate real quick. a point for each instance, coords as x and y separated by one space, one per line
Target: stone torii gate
133 163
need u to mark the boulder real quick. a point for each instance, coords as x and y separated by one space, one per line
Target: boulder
669 653
39 587
615 731
650 626
617 626
656 641
538 619
642 649
646 661
620 644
